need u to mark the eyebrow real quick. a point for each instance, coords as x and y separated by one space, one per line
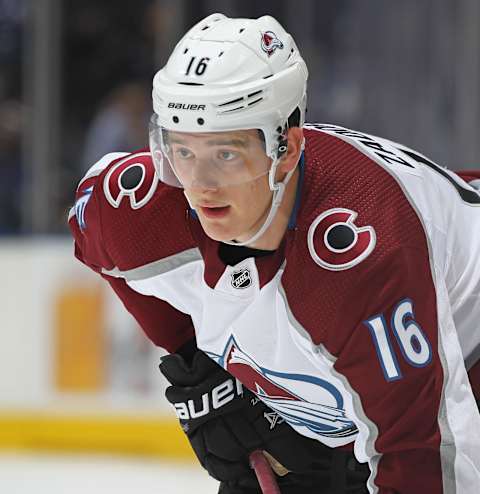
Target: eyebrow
216 142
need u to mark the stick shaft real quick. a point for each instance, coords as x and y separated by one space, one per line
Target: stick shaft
264 473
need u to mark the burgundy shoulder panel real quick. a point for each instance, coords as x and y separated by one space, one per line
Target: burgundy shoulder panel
136 218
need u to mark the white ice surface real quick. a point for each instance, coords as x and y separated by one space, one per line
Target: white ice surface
53 474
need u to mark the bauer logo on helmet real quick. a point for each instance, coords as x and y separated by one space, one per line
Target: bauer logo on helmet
186 106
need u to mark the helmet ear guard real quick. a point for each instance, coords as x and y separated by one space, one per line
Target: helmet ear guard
293 121
282 140
282 147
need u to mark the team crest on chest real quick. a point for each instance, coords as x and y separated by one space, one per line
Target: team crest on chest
282 392
241 278
336 243
134 178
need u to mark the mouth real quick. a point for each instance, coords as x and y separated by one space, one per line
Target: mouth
214 211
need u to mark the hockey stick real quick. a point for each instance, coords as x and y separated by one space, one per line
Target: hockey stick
264 473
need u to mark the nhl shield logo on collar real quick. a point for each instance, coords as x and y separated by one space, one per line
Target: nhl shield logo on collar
241 279
270 42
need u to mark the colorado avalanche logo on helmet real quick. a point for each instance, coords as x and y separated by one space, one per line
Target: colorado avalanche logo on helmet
325 417
270 42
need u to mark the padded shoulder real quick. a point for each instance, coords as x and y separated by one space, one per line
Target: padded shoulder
354 212
124 217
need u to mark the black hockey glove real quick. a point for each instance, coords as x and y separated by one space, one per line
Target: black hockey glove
224 425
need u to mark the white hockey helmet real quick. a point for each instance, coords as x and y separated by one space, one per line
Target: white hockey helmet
229 74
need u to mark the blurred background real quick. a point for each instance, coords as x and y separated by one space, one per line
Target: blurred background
76 373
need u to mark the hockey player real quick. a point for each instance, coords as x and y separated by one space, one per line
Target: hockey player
335 274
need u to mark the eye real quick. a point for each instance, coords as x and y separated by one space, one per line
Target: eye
227 155
183 153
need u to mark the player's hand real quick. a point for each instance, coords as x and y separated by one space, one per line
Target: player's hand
208 400
225 423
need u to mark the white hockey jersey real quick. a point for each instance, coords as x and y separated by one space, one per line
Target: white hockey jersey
359 330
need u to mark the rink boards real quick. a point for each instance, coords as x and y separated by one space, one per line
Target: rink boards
76 372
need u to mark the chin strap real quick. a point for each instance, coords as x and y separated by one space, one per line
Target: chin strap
278 189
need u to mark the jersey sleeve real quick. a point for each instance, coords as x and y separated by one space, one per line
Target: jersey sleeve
164 325
378 308
392 360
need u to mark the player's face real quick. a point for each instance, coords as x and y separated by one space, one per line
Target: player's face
225 177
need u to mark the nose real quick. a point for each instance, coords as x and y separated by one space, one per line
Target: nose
202 187
203 177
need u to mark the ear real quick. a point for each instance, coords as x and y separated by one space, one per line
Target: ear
294 148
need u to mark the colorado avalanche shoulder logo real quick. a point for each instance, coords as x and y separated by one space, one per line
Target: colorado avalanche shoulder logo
270 42
133 177
325 416
81 204
336 243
